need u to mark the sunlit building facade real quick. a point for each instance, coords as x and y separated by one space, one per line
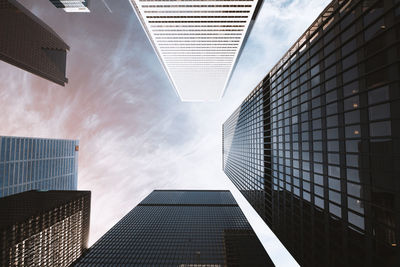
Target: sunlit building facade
28 43
37 164
197 42
180 228
72 5
315 147
44 228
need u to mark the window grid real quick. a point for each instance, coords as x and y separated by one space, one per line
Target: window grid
32 163
330 129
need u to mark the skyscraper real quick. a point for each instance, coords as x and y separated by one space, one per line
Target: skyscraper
180 228
44 228
314 147
29 44
36 163
197 43
72 5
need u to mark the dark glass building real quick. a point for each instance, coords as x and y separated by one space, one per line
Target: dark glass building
36 163
180 228
44 228
29 44
315 146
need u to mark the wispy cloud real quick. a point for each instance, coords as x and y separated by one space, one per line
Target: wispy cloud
107 6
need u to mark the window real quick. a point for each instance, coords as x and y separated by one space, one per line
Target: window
333 158
317 146
374 30
316 124
318 179
380 129
334 171
334 183
331 84
316 91
317 157
347 34
354 189
351 103
356 220
350 89
353 131
332 121
334 209
355 204
333 133
314 60
373 13
347 20
353 175
352 146
316 113
317 135
330 60
379 112
378 95
376 61
333 146
315 81
352 160
349 47
330 72
315 70
376 78
352 117
331 96
319 202
349 61
329 47
350 75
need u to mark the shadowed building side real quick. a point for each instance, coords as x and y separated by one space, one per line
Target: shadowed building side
28 43
44 228
315 146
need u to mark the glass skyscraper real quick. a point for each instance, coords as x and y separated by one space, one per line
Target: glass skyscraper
36 163
197 43
184 228
28 43
44 228
315 146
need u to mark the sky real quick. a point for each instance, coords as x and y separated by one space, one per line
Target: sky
135 134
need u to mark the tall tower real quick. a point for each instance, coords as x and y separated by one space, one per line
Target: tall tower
44 228
72 5
197 42
314 147
36 163
29 44
180 228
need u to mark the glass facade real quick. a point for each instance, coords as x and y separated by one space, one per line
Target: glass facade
198 43
30 44
180 228
35 163
44 228
315 147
